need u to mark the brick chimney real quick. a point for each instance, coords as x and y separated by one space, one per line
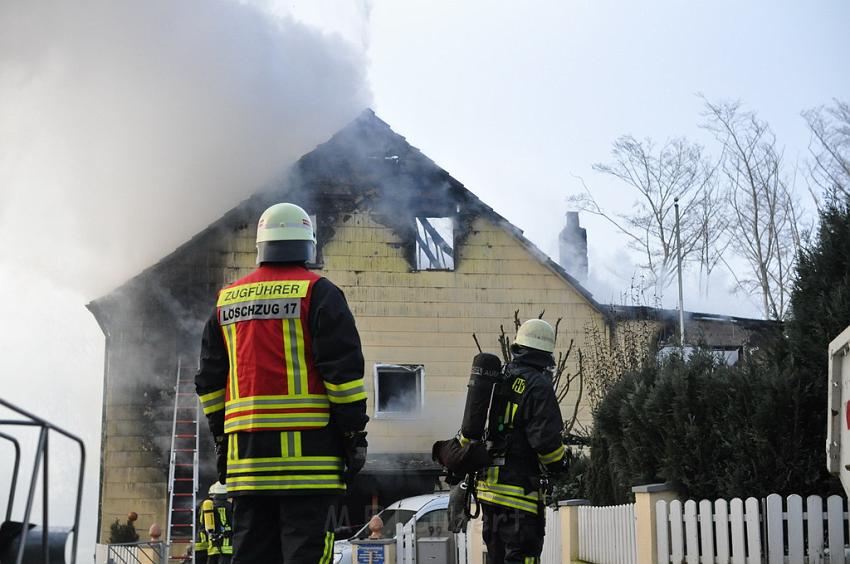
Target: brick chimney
572 246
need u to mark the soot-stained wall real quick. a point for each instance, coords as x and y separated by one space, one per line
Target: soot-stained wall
366 187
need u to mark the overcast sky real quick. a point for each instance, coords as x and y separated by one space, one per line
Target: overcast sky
514 99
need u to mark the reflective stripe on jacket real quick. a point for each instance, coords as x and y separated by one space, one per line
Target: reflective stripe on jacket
289 461
221 512
490 490
202 541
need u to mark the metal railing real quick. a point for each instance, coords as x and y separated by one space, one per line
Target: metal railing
41 453
137 553
17 446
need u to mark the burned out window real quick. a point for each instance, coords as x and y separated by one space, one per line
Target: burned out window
435 243
399 390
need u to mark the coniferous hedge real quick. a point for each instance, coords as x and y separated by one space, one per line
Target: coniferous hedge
748 430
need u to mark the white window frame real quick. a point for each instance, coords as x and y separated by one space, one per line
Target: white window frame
420 368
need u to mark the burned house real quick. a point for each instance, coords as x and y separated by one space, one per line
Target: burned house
424 264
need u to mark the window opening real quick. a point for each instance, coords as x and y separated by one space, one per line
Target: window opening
435 243
433 524
398 390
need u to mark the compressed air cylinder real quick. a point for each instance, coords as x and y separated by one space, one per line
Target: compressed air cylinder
486 370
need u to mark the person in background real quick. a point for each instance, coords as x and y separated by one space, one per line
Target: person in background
217 518
202 541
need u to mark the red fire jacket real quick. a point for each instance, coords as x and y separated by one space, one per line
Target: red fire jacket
281 374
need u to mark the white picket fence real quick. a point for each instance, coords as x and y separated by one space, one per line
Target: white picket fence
752 531
606 535
552 541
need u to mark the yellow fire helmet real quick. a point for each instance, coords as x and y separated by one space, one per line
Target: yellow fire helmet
218 489
285 234
536 334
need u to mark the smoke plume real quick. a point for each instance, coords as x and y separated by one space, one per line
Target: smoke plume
126 127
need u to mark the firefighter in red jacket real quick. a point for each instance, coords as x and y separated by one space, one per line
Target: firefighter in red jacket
281 383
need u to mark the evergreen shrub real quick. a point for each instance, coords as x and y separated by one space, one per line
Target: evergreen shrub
748 430
713 431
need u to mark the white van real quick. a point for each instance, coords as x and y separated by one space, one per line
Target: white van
838 428
430 512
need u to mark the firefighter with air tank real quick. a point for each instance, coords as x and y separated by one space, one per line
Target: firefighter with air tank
216 517
281 383
510 443
202 540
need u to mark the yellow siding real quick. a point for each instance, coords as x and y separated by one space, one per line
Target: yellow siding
403 316
428 317
132 480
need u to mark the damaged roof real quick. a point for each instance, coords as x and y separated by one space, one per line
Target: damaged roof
700 328
366 165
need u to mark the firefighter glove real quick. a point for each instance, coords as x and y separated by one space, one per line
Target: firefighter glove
221 458
355 453
461 460
457 508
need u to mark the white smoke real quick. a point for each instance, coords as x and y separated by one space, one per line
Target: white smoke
126 127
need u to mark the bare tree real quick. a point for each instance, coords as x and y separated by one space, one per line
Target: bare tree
712 221
609 358
765 217
830 148
656 176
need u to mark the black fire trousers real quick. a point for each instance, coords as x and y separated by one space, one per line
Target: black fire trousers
293 529
512 536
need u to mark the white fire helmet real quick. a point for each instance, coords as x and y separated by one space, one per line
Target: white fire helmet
218 489
536 334
285 234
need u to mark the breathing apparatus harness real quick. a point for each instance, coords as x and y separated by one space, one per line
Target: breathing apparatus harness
483 421
484 432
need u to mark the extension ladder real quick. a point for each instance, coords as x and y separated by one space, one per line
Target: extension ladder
183 468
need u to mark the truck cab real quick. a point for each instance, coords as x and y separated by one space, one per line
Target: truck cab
838 426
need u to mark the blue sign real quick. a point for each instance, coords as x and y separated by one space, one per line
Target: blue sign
370 553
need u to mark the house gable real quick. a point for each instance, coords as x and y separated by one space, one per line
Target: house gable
366 185
364 166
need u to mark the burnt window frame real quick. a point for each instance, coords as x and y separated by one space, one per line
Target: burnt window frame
420 384
416 246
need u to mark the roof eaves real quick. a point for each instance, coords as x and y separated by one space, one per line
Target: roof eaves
648 312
